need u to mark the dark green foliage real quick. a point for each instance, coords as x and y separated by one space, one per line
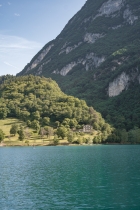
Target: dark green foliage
134 136
1 135
46 120
124 137
61 132
97 140
55 140
3 112
14 129
21 134
70 136
35 125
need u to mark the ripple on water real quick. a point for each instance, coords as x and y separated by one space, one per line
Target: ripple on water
103 177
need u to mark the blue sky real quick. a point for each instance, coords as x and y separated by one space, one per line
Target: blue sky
26 26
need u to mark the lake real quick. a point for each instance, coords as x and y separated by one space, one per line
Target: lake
70 177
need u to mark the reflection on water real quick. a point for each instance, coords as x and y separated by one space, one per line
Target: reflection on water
77 177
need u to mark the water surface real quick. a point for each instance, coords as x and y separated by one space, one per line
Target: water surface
76 177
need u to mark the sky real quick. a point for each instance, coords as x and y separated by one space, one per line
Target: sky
27 25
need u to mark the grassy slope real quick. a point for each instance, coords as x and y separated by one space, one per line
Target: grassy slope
5 125
34 139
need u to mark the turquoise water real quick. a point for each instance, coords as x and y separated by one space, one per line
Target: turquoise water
77 177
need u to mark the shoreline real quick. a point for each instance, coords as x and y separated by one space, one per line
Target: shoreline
63 144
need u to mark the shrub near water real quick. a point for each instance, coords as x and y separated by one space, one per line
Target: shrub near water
1 135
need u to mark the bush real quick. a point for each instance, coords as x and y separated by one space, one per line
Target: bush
55 140
21 134
1 135
14 129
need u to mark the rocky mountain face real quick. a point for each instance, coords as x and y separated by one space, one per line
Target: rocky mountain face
96 57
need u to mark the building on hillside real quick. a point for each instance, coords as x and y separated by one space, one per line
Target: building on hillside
87 128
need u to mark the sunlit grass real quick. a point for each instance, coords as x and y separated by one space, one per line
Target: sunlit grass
34 139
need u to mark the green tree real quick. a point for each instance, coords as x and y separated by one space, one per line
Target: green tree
46 120
28 123
24 115
21 134
1 135
79 140
97 139
104 136
89 141
57 124
35 125
138 135
66 122
134 135
3 113
61 132
36 115
123 136
96 126
56 140
70 136
73 123
14 129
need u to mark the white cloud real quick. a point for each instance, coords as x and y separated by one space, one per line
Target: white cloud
9 3
17 43
8 64
15 53
0 5
16 14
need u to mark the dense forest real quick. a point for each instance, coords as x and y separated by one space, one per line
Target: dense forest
39 102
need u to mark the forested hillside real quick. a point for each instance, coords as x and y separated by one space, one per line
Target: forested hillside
96 57
39 102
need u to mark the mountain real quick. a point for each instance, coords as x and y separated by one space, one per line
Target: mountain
96 57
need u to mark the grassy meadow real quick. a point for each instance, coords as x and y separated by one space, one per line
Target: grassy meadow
34 139
11 140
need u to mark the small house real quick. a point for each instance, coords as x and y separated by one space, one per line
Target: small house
87 128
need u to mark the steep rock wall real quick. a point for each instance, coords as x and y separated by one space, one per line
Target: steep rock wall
39 58
118 85
122 82
91 38
110 7
65 70
129 17
68 49
90 61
